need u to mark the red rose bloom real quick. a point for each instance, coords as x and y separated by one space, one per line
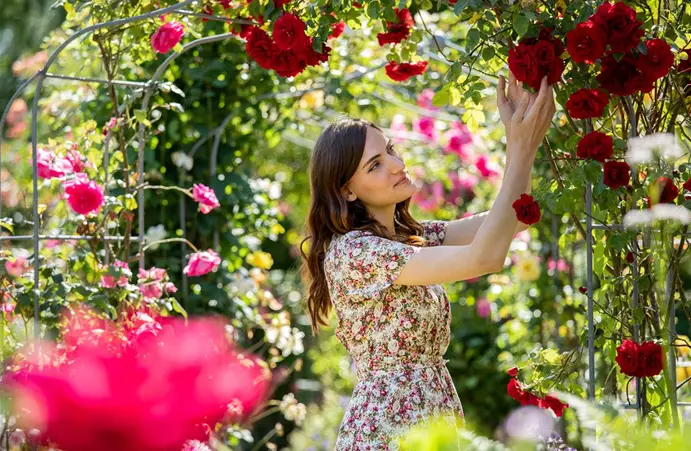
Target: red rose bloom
312 58
527 210
658 61
587 103
260 47
403 71
651 360
289 32
167 36
533 58
687 185
337 29
280 3
582 290
397 31
287 63
627 357
513 372
586 43
668 191
550 402
623 78
516 392
595 145
619 20
617 174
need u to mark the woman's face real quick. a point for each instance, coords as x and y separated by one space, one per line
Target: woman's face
381 179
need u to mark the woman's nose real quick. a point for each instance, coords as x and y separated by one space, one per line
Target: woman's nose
397 164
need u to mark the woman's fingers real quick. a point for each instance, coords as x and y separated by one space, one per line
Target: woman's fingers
501 91
521 108
540 101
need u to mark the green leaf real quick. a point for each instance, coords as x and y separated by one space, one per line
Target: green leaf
177 307
7 224
521 23
441 97
373 10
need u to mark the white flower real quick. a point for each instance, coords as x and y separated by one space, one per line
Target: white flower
292 409
661 212
182 160
155 233
393 346
645 149
393 265
355 328
291 343
355 275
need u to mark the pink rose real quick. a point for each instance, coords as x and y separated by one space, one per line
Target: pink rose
430 197
167 36
206 198
16 267
75 160
425 126
108 281
485 168
424 100
202 263
83 195
459 140
50 165
484 308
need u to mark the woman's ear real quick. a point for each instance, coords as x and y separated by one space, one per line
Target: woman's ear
348 194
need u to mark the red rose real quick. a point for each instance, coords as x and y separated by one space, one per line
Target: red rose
289 32
550 402
623 30
527 210
530 400
617 174
403 71
524 65
595 145
627 357
651 360
623 78
658 61
582 290
280 3
668 191
587 103
515 390
687 185
337 29
287 63
312 58
397 31
533 58
225 3
629 257
513 372
167 36
586 43
260 47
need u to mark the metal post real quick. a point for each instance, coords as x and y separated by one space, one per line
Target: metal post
589 269
636 329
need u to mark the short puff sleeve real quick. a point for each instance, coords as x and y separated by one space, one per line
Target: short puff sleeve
372 264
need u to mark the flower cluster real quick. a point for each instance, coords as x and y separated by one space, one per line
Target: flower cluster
534 58
526 398
527 210
640 360
156 384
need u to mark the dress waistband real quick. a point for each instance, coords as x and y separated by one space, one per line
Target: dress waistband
366 369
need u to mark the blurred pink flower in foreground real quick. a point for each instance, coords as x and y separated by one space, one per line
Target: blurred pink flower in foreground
202 263
155 392
430 197
460 141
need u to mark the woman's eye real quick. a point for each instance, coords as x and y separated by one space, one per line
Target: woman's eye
392 150
374 166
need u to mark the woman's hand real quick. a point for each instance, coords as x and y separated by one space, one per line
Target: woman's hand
531 120
508 101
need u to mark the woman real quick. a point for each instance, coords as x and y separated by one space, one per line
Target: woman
382 271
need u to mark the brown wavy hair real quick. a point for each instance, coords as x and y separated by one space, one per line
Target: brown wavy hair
334 160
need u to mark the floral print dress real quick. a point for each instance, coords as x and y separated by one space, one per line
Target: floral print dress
397 336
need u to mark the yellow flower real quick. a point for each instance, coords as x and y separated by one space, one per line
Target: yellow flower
527 269
260 259
312 100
